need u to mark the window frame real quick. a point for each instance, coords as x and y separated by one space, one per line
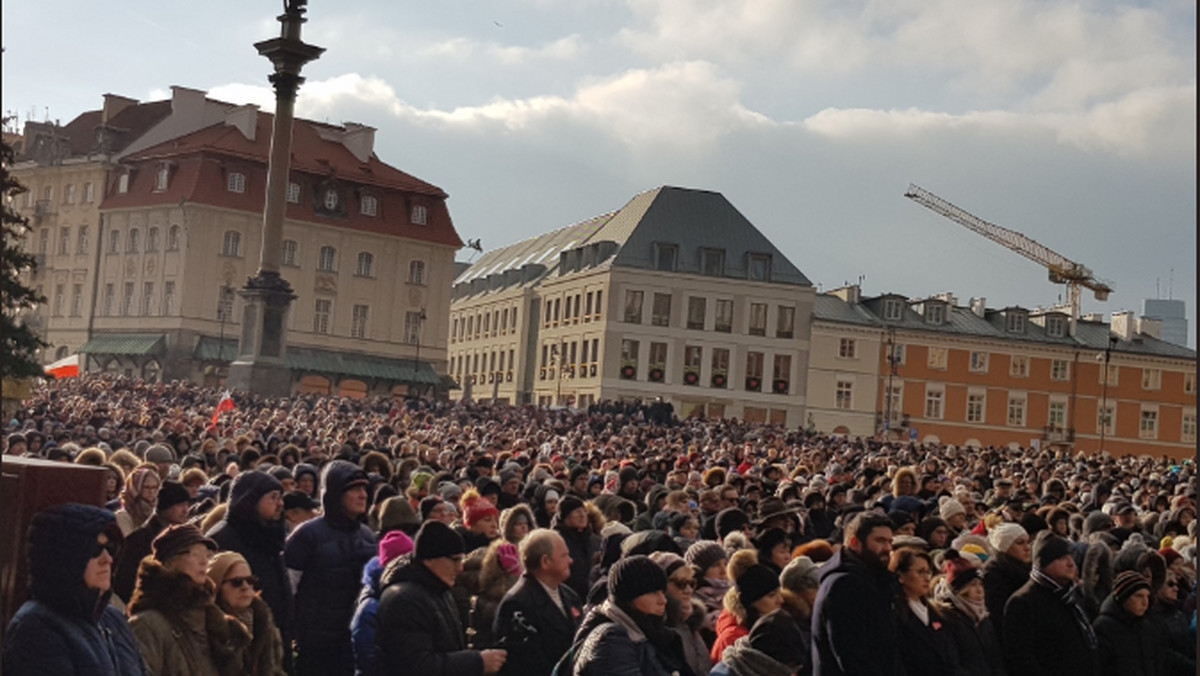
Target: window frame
369 205
231 244
327 258
712 262
322 315
419 215
364 264
935 402
236 183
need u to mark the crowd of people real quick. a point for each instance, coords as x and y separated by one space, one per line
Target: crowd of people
319 535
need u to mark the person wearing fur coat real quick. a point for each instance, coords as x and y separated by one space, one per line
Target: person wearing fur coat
179 627
235 584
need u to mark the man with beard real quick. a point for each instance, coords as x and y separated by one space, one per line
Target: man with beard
855 601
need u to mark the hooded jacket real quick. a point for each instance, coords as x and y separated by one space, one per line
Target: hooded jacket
853 602
65 628
260 543
1003 575
330 551
419 632
1129 646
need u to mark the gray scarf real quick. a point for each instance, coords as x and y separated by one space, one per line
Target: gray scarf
746 661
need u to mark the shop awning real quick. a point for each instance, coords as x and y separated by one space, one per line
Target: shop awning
213 349
315 360
134 344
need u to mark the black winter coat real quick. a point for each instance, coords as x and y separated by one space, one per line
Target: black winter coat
1129 646
1043 638
612 646
583 546
926 649
418 631
138 545
555 629
1002 577
977 645
853 603
1180 656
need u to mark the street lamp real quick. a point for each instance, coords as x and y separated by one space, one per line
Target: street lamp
417 365
892 363
1112 342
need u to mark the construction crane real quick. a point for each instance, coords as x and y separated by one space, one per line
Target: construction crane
1061 270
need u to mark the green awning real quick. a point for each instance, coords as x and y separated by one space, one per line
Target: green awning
136 344
314 360
212 349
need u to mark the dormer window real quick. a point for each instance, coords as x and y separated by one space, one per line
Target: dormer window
893 310
1014 322
293 193
236 182
369 205
666 256
1055 326
420 215
123 183
712 262
331 200
935 313
759 268
161 178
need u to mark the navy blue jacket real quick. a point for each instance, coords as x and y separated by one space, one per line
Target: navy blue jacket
853 633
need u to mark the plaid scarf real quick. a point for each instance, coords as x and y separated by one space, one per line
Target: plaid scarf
1068 596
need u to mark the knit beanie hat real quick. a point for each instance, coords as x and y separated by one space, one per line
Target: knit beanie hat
159 453
1048 548
959 571
1003 535
396 513
755 583
419 479
769 540
569 503
778 636
170 494
177 539
1095 522
427 504
668 561
1126 583
634 576
729 520
394 545
800 573
948 507
219 565
436 540
477 508
705 554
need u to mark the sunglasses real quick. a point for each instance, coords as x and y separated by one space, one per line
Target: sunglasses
237 582
1173 584
684 583
111 547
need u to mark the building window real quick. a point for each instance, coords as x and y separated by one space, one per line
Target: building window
937 358
1014 322
59 294
1113 375
1187 432
847 348
844 395
633 307
358 321
69 194
365 264
899 354
599 296
1148 425
724 319
123 183
759 268
76 300
758 319
629 359
661 312
89 193
693 358
979 362
127 300
754 371
1055 326
416 272
293 193
934 398
236 182
44 240
147 299
290 253
785 321
665 257
976 404
1189 383
152 240
1106 419
231 244
107 307
114 241
133 242
412 329
1151 379
893 310
327 259
1056 418
321 311
712 262
935 313
720 367
1016 411
64 241
781 374
1060 369
695 316
1018 366
160 179
369 206
173 238
420 215
168 298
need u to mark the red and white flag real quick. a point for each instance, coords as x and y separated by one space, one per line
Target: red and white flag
226 404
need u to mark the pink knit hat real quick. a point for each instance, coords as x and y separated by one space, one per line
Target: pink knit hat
394 545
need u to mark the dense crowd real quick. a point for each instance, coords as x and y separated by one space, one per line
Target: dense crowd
318 535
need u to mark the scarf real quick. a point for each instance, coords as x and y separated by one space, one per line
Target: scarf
976 611
131 497
1070 597
746 661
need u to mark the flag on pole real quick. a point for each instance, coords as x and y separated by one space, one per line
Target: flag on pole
226 404
68 367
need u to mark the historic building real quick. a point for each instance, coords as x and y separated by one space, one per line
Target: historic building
675 295
174 230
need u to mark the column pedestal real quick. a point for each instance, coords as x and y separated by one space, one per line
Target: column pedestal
261 367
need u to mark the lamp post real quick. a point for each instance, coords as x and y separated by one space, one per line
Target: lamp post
892 362
417 363
1112 342
260 367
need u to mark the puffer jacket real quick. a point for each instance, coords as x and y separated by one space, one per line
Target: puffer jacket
742 660
66 629
613 645
1129 646
362 625
418 630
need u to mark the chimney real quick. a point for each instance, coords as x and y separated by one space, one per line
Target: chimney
1150 327
979 306
113 105
947 298
849 293
245 118
1093 317
359 139
187 101
1122 325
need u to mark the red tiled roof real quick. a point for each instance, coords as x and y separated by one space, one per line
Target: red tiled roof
201 162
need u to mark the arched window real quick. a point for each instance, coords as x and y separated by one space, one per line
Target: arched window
131 244
152 240
327 259
231 245
416 272
366 262
290 251
173 238
82 245
114 241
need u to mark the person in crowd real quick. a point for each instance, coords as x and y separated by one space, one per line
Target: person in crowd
1129 646
774 549
329 553
488 573
171 509
926 646
960 602
543 601
481 521
712 582
755 592
1007 569
1046 632
67 627
298 507
515 523
571 522
856 599
685 613
253 527
307 479
392 545
798 585
235 585
138 499
773 648
173 613
418 630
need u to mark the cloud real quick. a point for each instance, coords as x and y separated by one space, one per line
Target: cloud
465 49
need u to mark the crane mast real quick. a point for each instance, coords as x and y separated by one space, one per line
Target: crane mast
1061 269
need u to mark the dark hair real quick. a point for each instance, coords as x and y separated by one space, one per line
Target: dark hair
904 557
863 523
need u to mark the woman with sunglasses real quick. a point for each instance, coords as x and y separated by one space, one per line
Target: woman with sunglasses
685 613
67 627
236 595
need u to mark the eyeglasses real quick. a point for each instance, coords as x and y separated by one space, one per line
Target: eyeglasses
237 582
1173 584
690 584
111 547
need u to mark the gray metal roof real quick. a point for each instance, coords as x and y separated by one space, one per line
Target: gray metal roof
831 308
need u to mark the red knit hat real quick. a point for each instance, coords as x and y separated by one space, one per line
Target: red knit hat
959 571
476 508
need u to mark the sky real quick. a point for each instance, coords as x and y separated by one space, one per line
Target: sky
1071 122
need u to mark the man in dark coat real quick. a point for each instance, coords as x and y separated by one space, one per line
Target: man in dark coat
418 631
1046 632
253 527
853 630
172 508
330 553
546 603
